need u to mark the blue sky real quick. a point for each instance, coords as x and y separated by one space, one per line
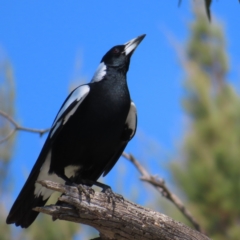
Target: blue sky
46 40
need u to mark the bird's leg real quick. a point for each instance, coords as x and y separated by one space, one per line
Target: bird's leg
82 189
105 189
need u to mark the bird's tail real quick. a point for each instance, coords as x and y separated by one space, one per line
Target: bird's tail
21 212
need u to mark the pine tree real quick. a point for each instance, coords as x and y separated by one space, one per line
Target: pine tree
209 170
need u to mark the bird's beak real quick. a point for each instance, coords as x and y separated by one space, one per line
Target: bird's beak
132 45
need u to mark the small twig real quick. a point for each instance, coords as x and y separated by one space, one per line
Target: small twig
18 127
161 187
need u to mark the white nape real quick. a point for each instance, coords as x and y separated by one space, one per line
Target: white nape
100 72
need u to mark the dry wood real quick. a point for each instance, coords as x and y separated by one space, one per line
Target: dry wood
122 220
162 188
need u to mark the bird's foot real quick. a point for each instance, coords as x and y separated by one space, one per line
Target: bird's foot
112 196
86 190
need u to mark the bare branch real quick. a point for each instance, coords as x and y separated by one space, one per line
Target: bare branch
122 220
161 187
17 127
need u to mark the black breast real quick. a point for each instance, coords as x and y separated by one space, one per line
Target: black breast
92 134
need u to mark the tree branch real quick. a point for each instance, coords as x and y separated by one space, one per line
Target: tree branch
17 127
121 220
160 186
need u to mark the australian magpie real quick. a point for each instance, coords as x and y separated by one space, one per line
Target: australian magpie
88 135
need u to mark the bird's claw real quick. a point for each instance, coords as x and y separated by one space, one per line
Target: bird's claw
86 190
111 195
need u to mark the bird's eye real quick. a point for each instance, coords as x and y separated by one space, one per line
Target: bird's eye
116 51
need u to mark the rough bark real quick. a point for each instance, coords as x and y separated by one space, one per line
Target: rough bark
160 185
119 220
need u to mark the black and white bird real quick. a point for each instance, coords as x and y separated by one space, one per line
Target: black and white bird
88 135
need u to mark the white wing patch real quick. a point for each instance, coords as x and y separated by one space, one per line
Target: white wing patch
71 170
100 72
78 95
71 112
44 175
55 128
131 120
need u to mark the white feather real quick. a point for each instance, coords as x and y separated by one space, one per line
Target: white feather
131 120
71 112
55 128
79 95
44 175
70 171
100 72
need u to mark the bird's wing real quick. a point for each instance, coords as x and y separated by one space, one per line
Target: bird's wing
32 193
127 135
69 107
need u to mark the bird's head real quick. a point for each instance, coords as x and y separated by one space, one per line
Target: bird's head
117 57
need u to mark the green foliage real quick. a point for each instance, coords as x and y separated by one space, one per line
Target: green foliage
209 173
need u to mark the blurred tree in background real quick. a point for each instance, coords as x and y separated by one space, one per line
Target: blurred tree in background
7 96
208 172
